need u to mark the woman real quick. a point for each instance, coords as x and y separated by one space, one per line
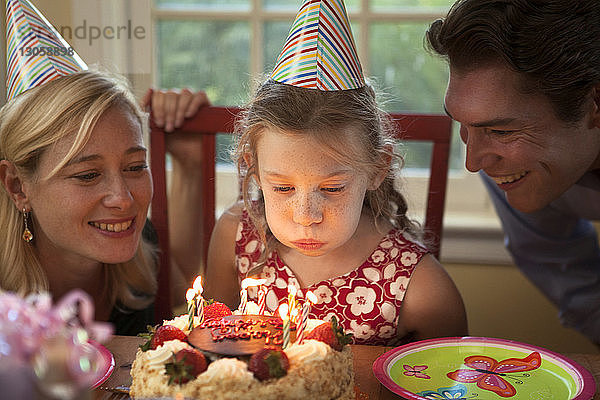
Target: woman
76 191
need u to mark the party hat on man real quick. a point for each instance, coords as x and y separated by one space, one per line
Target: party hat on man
319 52
35 52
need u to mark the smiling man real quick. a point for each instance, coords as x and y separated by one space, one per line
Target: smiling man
525 87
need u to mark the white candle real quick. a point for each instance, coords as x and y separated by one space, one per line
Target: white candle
283 312
195 302
292 298
191 304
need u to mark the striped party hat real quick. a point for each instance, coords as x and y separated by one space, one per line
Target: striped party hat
35 51
319 52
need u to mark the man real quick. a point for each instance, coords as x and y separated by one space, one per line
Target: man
525 87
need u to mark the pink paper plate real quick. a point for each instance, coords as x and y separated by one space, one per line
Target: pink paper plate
481 368
107 364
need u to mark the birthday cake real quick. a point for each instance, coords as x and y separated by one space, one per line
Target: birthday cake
244 356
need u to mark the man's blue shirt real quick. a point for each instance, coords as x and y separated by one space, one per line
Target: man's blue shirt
557 249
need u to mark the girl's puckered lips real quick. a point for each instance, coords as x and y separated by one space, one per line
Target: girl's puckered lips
308 244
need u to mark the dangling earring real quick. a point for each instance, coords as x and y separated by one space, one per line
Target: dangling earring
27 235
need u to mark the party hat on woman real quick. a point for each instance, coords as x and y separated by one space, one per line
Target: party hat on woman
319 52
35 52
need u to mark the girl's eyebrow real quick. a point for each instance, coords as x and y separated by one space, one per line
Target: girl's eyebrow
94 157
339 173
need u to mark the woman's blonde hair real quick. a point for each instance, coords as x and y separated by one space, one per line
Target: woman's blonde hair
30 125
348 123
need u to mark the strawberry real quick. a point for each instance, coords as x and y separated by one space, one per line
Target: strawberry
187 364
268 363
330 333
157 336
214 309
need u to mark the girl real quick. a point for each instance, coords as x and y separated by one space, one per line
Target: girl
325 217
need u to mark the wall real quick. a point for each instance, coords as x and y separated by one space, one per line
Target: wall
96 30
501 303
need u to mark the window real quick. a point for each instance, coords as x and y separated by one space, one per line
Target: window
225 46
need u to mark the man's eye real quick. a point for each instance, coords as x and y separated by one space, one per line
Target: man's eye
137 168
501 132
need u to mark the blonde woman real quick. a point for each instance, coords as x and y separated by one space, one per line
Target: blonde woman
75 194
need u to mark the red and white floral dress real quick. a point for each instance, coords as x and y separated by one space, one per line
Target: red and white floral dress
365 301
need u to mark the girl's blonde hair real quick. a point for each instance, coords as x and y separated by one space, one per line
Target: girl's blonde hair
30 125
348 123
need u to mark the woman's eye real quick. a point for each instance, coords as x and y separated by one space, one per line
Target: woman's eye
87 177
282 189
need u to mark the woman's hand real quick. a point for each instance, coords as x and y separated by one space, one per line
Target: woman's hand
169 110
171 107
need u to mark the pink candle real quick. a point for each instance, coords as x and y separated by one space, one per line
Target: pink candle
246 283
310 299
262 300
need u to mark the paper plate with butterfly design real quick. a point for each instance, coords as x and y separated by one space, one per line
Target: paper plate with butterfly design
483 369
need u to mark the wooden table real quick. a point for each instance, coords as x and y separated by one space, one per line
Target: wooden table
124 347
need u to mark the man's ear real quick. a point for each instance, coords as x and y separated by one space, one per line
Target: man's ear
595 116
12 182
381 175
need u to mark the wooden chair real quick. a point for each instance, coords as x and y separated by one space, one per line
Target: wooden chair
212 120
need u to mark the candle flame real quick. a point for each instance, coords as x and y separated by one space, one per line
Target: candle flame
292 290
246 283
310 296
190 294
283 311
197 286
251 308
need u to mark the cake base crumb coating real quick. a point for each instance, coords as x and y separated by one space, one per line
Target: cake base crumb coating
329 378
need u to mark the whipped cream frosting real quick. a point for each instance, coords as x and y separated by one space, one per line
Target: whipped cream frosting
309 350
156 359
227 368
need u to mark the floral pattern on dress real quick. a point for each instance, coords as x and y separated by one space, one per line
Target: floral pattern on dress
365 301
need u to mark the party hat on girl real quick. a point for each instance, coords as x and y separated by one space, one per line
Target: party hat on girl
35 52
319 52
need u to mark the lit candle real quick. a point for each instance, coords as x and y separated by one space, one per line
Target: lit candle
262 300
283 312
191 305
294 315
251 308
197 286
195 302
310 299
246 283
292 298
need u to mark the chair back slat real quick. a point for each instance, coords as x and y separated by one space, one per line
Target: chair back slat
210 121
